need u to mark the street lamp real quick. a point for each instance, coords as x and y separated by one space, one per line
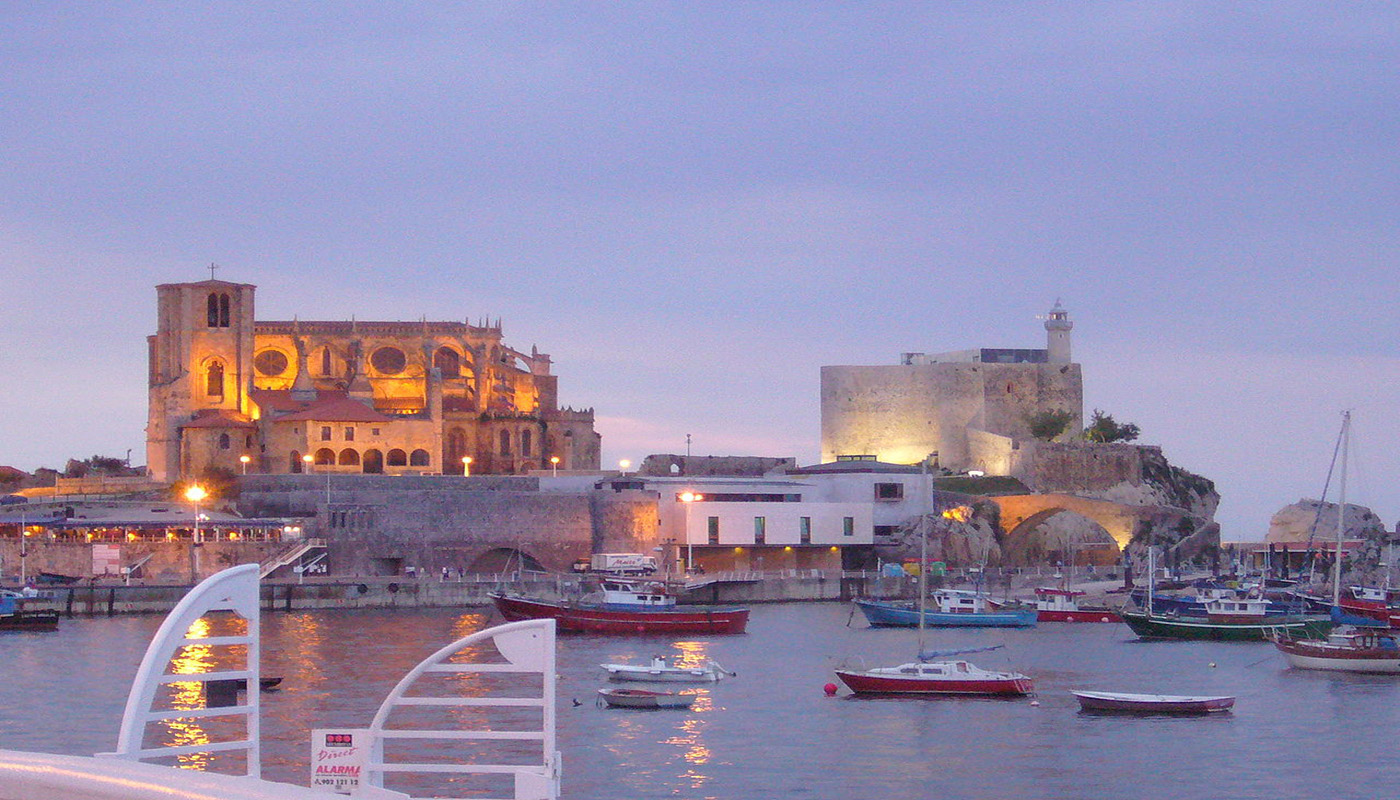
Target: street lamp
624 465
688 498
554 466
194 494
466 466
244 461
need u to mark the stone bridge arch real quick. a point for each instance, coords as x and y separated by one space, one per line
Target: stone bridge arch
1023 513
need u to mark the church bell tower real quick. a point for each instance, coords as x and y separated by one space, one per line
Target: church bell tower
1057 328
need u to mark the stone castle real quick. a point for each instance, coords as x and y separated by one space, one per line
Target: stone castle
232 393
963 410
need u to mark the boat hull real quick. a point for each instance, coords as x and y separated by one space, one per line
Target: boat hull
644 675
1323 656
1160 627
587 619
29 621
1151 704
639 698
864 683
881 614
1079 615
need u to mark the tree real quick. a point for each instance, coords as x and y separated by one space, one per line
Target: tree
1046 425
1103 429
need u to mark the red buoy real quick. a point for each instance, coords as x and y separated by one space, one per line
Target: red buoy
830 689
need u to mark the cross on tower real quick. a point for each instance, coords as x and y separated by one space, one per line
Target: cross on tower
212 267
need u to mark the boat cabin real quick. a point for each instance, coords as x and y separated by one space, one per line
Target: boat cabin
937 669
1057 599
1236 609
631 594
953 601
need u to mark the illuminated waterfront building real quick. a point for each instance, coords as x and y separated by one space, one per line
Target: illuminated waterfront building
355 396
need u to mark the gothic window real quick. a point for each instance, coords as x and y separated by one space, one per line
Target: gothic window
456 446
223 441
505 443
214 381
325 361
397 458
271 363
448 362
419 458
223 311
525 444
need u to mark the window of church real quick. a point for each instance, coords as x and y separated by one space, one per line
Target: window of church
212 315
223 311
325 361
271 363
525 444
325 433
505 443
388 360
448 362
214 381
223 441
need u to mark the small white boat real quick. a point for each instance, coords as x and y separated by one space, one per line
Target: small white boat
642 698
1151 703
662 671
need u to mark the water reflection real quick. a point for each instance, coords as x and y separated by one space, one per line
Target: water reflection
195 659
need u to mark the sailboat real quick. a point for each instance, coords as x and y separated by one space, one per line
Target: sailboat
936 672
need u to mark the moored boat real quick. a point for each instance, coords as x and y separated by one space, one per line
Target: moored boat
1370 602
15 617
1167 626
1122 702
643 698
1370 650
942 675
660 670
1062 605
956 609
626 607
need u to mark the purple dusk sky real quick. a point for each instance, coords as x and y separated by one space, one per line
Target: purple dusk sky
694 206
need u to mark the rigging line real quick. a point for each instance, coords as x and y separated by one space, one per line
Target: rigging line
1331 468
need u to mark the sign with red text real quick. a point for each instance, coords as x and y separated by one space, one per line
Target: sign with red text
338 759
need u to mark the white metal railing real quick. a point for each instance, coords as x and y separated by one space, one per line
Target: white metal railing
288 555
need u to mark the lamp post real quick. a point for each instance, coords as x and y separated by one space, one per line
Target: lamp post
554 466
466 466
23 551
194 494
688 498
244 461
623 466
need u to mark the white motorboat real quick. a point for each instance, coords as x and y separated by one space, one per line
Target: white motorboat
660 670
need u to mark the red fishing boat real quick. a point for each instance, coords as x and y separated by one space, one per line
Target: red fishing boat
1062 605
626 607
1370 602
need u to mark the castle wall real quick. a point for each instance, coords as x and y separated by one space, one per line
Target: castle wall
903 413
1080 466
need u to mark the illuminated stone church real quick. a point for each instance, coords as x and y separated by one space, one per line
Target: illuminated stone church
228 391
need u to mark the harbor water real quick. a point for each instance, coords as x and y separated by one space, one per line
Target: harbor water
770 731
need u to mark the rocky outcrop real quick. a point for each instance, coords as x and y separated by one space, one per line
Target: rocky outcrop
1312 520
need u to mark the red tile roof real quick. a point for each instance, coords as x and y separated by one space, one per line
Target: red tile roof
219 418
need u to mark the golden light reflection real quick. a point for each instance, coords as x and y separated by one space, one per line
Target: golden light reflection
958 514
190 660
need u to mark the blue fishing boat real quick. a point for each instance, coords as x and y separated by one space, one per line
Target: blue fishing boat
955 609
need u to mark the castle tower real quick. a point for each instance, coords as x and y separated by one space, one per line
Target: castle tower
201 366
1057 328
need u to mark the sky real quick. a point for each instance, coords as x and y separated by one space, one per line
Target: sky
693 207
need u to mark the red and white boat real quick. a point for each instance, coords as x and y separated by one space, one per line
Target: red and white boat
1151 703
1062 605
1370 602
629 607
941 674
1374 650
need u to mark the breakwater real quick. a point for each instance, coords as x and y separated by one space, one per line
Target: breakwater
98 599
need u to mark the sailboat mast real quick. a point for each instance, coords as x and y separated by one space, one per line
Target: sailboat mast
923 576
1341 513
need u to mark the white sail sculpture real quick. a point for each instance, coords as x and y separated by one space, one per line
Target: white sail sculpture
236 590
528 648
